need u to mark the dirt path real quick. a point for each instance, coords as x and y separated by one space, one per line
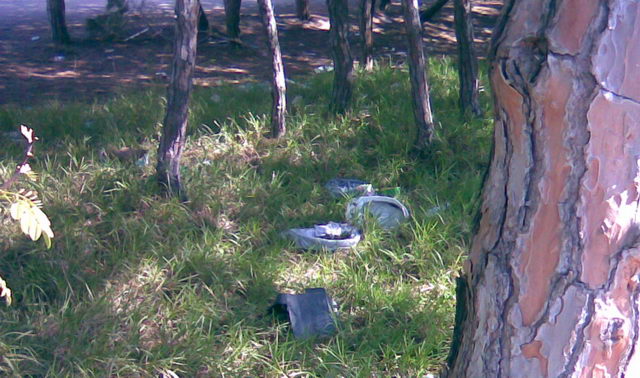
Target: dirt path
33 70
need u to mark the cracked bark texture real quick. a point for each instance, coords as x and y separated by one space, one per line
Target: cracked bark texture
178 93
278 85
554 267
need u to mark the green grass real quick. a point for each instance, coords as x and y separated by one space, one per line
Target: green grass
137 284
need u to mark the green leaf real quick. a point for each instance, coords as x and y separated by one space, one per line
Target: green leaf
33 221
14 210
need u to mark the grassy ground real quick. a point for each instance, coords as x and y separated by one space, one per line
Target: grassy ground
137 285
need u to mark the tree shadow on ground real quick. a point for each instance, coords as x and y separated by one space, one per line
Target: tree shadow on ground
33 70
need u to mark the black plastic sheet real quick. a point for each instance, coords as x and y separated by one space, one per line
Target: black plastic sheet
311 314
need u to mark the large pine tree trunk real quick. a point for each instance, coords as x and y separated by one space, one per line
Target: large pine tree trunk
232 17
554 269
55 10
366 33
278 86
418 73
175 121
342 60
467 63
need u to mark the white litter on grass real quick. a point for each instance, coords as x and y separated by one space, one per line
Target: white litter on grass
330 230
326 68
341 187
388 211
143 161
331 236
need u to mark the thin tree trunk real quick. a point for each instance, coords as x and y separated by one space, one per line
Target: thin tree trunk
302 10
118 6
342 61
232 17
427 14
418 73
366 33
553 288
278 86
59 33
467 62
382 5
203 23
178 93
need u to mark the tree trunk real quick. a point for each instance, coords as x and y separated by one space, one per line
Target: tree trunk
302 10
178 93
366 33
418 73
467 63
554 266
203 23
342 61
118 6
55 10
278 87
427 14
232 17
382 5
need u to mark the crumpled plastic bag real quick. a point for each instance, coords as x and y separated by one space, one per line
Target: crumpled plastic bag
388 211
311 314
331 236
340 187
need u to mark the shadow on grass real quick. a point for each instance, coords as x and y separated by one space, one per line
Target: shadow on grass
162 285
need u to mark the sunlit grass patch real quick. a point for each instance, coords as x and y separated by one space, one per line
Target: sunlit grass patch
139 284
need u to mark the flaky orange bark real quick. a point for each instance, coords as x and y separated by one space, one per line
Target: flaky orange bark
555 263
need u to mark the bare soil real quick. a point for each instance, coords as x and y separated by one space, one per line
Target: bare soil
33 70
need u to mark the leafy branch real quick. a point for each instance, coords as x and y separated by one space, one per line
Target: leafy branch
23 205
23 167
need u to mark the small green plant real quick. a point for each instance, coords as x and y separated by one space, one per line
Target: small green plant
23 205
